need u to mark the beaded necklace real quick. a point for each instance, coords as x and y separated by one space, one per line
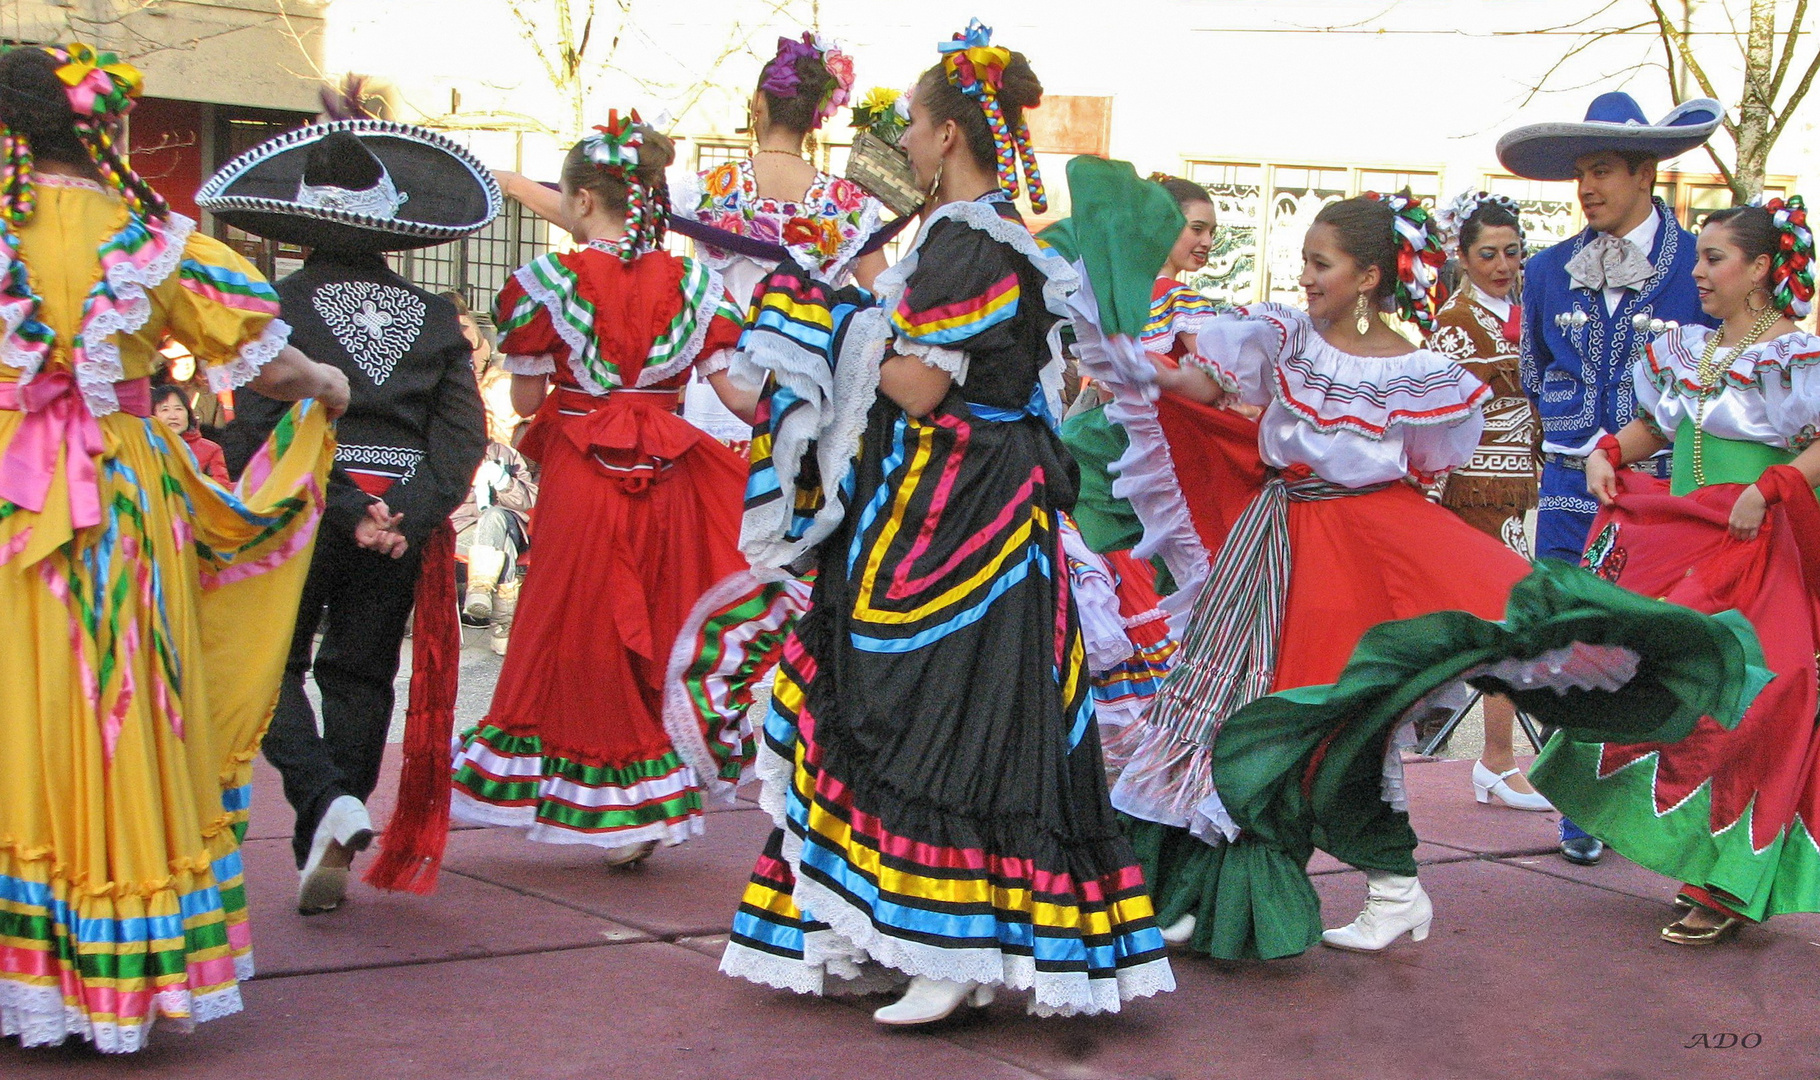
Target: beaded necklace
1707 374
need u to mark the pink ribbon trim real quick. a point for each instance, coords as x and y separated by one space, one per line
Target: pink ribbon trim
57 417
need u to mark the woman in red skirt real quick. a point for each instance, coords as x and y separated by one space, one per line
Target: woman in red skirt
1295 535
639 514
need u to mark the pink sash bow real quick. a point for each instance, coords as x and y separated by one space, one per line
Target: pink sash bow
57 416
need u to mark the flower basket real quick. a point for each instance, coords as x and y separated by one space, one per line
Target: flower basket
884 171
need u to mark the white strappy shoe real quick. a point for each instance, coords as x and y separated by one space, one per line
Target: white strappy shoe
1488 785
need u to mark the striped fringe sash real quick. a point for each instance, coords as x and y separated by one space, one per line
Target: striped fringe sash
1228 654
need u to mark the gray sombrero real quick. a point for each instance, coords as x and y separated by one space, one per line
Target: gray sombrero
1614 121
355 185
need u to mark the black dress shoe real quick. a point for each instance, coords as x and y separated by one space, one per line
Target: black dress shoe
1584 850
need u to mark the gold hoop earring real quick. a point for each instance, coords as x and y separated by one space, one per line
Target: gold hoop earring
1362 310
1767 298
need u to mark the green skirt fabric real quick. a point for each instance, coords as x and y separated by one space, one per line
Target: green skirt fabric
1107 523
1304 768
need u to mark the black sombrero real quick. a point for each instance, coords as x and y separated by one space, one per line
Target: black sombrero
355 185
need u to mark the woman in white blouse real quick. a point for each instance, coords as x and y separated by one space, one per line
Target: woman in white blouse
1338 539
1733 814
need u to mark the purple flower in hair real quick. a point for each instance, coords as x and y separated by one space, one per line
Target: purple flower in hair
780 74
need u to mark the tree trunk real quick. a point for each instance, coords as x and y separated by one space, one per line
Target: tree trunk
1755 112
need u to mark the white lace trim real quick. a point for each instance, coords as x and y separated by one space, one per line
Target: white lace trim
1144 475
12 353
37 1015
852 932
714 365
704 308
80 183
832 418
252 358
775 774
679 718
552 303
97 373
1375 394
544 364
952 361
1391 786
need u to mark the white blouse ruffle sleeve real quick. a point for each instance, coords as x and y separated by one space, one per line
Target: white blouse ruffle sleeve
1354 420
1769 394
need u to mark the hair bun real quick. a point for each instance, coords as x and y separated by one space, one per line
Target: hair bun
1020 88
656 155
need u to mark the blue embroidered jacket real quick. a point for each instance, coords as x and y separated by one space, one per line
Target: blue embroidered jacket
1579 377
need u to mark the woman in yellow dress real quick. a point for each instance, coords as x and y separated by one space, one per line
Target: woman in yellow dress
144 655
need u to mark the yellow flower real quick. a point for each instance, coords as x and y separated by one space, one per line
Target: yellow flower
880 99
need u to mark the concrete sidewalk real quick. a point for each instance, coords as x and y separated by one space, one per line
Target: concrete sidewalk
534 961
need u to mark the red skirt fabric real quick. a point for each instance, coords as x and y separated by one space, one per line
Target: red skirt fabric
1358 561
1732 813
638 515
1367 559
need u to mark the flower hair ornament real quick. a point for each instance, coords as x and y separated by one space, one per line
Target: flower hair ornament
1451 219
781 79
976 67
1419 259
1791 271
101 89
614 148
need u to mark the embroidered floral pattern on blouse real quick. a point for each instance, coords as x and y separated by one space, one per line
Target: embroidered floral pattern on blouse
824 230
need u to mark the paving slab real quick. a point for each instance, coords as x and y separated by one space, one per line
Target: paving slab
463 918
616 1013
1444 813
1617 874
1525 975
1426 854
690 889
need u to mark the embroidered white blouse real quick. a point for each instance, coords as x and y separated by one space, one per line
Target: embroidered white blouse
1354 420
1770 394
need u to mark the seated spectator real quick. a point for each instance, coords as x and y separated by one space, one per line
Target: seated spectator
492 528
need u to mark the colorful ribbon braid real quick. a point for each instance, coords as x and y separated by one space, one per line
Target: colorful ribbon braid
976 67
781 77
1419 260
1452 218
614 149
101 90
1791 272
16 196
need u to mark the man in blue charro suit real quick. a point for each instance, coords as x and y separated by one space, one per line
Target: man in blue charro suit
1592 303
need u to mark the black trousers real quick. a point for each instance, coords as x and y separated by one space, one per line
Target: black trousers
360 601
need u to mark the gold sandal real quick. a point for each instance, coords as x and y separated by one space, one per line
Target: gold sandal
1680 933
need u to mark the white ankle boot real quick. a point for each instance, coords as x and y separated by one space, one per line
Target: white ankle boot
1179 931
1393 904
928 1000
344 829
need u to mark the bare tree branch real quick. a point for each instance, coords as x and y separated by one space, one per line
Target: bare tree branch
1584 44
1794 99
1725 171
1672 33
1788 49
